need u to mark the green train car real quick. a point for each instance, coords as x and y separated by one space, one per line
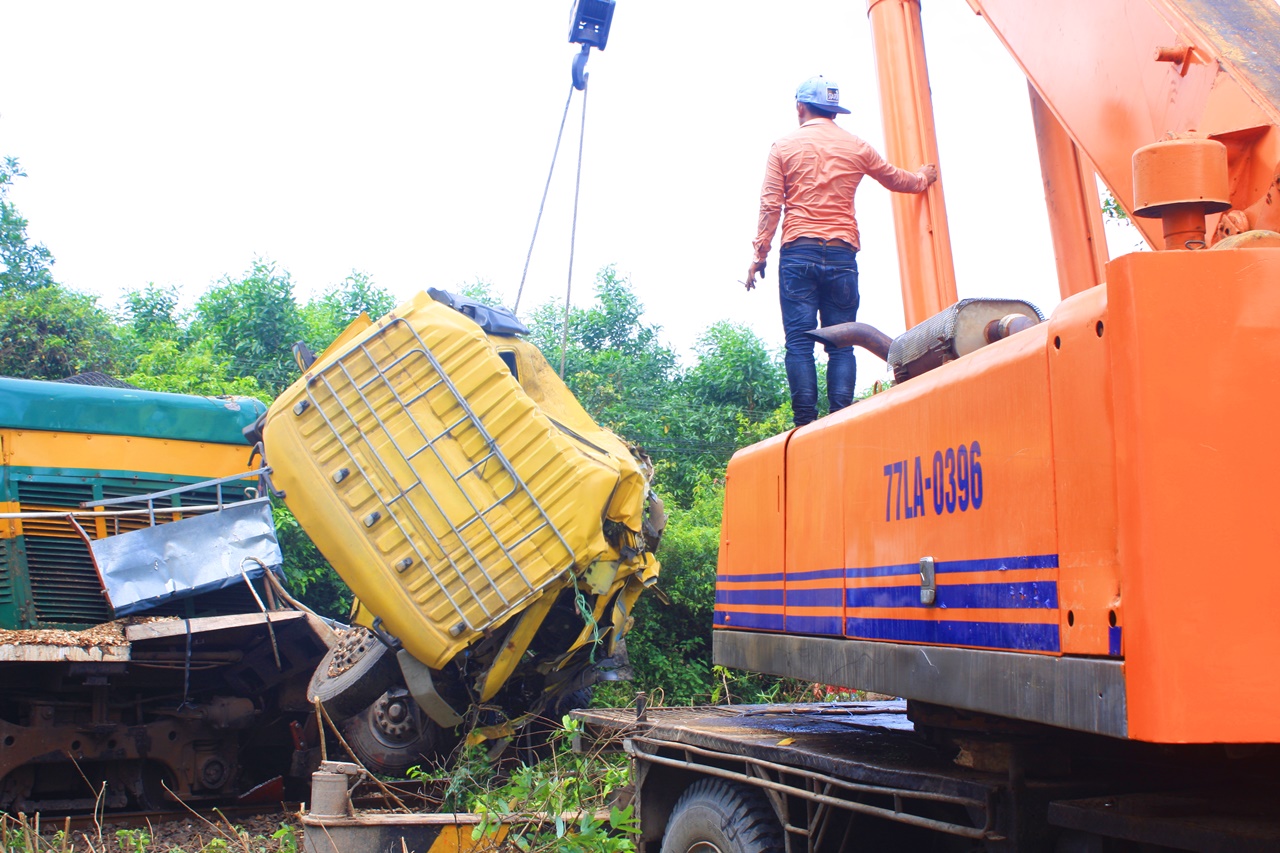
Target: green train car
194 694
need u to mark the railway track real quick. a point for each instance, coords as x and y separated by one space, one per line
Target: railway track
255 828
218 816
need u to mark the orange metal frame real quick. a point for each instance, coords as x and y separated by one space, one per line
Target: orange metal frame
1102 484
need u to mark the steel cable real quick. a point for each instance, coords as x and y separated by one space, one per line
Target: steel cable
542 205
573 231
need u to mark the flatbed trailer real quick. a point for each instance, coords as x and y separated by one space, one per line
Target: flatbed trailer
844 776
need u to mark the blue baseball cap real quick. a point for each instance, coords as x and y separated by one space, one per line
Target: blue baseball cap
821 93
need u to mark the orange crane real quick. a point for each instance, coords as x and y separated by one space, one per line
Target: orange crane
1051 536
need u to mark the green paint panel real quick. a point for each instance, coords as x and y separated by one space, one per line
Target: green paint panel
36 484
57 407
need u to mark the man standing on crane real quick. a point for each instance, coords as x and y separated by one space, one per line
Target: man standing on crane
814 173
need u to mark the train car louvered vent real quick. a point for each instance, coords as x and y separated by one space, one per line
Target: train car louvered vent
64 585
63 492
6 579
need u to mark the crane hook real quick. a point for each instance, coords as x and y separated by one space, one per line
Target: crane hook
589 27
580 68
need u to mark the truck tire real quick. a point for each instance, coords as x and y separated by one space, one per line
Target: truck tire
534 742
392 735
580 698
715 816
353 674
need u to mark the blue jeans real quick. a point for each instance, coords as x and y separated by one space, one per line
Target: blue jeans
817 281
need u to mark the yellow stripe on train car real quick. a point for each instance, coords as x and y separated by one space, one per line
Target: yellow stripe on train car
118 453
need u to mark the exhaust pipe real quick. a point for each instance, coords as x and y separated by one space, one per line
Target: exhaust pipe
862 335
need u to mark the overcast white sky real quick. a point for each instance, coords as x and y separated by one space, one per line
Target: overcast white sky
173 142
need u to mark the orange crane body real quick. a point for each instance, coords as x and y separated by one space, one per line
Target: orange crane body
1069 526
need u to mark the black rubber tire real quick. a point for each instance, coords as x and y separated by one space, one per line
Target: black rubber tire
725 816
372 672
419 741
580 698
534 741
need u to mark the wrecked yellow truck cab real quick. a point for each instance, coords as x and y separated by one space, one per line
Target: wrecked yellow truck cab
495 536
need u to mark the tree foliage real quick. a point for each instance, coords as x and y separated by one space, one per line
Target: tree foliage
198 369
50 332
670 645
255 321
614 363
323 319
46 331
25 265
736 370
309 574
152 314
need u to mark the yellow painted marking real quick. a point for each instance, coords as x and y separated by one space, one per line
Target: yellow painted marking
107 453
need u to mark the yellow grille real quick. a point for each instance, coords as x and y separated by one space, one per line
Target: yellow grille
413 442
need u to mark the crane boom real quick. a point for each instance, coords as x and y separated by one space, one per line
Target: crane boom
1118 76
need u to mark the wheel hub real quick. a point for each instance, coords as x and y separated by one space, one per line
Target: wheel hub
394 721
351 647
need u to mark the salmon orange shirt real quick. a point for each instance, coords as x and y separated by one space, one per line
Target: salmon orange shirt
814 173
